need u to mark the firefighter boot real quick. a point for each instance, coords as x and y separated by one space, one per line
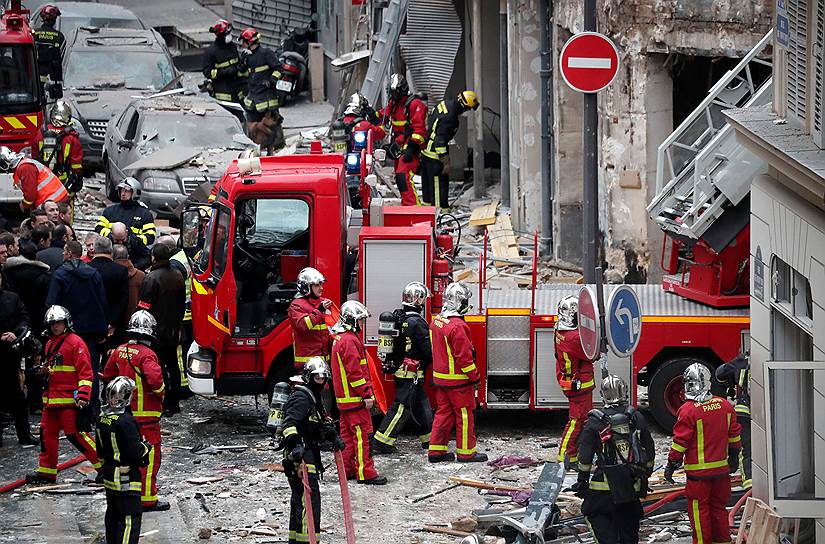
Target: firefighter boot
475 458
378 480
39 478
379 447
160 506
444 457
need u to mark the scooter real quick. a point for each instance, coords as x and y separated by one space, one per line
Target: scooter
293 54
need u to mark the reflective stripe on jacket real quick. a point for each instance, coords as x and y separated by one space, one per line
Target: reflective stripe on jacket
38 184
572 363
70 371
702 435
139 362
310 337
453 358
350 374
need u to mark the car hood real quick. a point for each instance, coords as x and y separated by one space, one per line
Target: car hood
100 104
186 162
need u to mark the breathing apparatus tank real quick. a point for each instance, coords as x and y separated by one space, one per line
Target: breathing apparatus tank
275 421
389 333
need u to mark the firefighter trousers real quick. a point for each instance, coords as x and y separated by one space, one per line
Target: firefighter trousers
123 517
707 502
410 402
404 172
435 186
149 473
52 421
580 405
454 408
745 451
356 428
612 523
298 528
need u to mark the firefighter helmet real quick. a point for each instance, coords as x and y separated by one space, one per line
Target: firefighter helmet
143 323
119 394
131 184
221 27
614 391
9 159
357 104
56 314
468 99
415 294
567 317
250 37
697 382
352 312
398 87
306 279
316 367
456 299
49 13
60 115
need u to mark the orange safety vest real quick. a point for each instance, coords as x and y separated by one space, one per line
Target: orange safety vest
49 186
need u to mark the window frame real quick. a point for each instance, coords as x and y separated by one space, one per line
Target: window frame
788 308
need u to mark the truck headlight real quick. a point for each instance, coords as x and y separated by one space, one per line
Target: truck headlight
161 185
201 364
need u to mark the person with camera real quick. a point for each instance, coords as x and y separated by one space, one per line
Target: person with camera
14 323
68 370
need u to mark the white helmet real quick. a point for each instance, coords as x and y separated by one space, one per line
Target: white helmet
143 323
614 391
119 394
357 104
568 314
61 114
456 300
316 366
131 184
352 312
56 314
415 294
306 279
696 380
9 159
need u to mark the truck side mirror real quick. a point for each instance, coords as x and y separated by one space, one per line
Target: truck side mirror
189 229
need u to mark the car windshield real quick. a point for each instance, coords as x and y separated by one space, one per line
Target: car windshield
273 222
69 24
132 69
18 79
191 129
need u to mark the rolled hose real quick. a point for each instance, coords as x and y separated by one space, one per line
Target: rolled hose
61 467
663 501
739 504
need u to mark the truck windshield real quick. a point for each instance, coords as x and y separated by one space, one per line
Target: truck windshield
274 222
18 78
111 69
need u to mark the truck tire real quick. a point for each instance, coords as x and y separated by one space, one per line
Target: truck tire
666 392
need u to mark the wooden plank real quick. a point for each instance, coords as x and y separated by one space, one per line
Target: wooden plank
444 531
498 243
484 215
746 517
316 71
478 484
503 221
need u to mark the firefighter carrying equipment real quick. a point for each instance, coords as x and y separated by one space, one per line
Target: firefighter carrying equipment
222 65
132 213
38 184
407 115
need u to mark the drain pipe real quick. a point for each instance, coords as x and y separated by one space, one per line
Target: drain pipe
547 121
505 104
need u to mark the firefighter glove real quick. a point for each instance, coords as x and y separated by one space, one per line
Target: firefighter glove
338 444
580 488
671 467
371 115
411 151
328 430
733 460
297 454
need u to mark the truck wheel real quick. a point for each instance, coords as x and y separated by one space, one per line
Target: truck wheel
666 391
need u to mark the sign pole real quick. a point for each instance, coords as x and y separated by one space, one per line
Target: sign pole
590 167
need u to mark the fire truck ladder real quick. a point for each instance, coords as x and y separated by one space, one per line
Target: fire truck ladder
701 171
385 45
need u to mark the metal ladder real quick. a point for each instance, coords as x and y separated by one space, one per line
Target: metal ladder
701 170
385 45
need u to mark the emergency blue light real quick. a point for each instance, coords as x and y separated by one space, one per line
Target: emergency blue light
359 140
353 162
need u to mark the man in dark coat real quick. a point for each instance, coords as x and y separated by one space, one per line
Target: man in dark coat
53 255
116 284
163 293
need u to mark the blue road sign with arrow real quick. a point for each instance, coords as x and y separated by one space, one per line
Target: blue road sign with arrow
624 321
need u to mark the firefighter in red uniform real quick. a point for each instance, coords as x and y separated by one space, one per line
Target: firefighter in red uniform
353 393
408 115
359 116
574 372
68 368
136 361
310 337
58 147
454 378
36 180
706 437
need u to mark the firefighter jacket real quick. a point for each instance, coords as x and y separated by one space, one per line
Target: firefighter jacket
70 371
572 365
417 346
408 118
454 362
442 125
738 373
310 337
60 150
38 184
264 70
350 373
303 419
51 45
163 293
138 362
613 436
121 451
223 66
135 215
356 123
702 435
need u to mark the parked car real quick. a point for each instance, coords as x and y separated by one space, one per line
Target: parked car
172 144
74 15
103 70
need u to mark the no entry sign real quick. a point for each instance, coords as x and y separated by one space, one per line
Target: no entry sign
589 62
590 332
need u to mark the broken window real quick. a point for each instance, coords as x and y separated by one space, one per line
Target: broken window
112 69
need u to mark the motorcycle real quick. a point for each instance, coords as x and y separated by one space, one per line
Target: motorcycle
293 54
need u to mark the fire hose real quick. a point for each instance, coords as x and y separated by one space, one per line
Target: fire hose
61 467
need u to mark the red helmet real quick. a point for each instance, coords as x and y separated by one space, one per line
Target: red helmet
49 13
250 36
221 27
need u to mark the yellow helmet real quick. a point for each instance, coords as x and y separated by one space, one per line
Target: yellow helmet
468 99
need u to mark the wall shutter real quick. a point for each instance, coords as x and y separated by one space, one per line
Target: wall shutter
797 86
817 79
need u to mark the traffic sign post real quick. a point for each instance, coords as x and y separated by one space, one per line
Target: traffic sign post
590 331
624 321
589 62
